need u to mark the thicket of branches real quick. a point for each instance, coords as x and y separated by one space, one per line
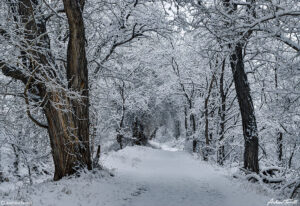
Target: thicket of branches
221 76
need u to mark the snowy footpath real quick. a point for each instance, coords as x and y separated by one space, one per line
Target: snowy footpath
148 177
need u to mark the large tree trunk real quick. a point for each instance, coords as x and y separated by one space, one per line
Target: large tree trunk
67 117
69 129
247 110
243 94
69 138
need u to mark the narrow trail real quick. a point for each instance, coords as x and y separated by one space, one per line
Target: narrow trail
145 177
175 178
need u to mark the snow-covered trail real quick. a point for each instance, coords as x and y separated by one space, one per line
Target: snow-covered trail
145 177
166 178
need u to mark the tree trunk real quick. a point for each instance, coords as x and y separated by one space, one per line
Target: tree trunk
68 124
69 143
193 126
68 118
138 133
243 93
185 121
291 156
17 160
247 110
222 113
177 129
120 136
207 139
279 134
194 145
279 145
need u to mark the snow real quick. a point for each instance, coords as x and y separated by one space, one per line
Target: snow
145 177
164 146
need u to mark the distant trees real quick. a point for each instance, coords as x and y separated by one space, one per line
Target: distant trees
235 27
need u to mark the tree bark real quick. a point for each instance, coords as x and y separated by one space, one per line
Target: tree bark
70 146
291 156
207 139
138 133
246 107
279 133
120 136
279 145
69 133
222 113
185 121
243 92
193 125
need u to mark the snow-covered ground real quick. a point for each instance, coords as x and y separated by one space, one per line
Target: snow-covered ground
146 177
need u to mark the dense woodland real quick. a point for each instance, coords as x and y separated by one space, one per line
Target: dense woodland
217 78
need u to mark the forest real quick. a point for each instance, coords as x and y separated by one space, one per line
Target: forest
150 102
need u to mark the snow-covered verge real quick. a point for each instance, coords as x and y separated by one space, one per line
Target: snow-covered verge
145 177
